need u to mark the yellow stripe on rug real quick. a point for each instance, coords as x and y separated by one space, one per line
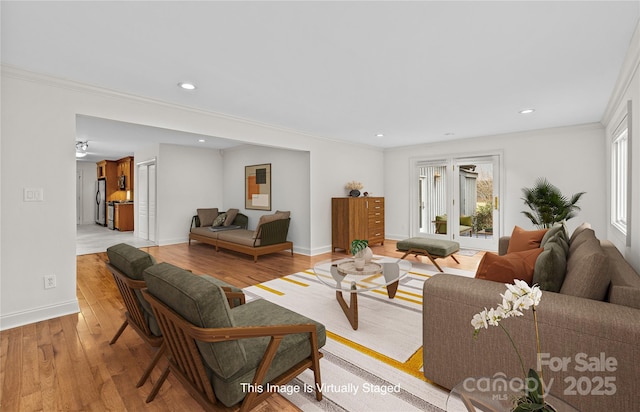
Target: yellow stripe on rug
412 366
268 289
295 282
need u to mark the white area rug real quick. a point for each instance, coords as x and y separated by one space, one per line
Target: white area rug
375 368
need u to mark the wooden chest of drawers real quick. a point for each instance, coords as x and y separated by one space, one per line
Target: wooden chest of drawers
356 218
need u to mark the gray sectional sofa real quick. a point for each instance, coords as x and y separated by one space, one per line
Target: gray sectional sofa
269 236
592 325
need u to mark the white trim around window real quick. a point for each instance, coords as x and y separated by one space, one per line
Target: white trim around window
620 147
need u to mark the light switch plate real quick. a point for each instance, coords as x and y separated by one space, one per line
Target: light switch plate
33 194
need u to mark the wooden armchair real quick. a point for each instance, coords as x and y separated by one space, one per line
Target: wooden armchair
126 264
226 354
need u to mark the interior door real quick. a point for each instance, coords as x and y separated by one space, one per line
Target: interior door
151 190
143 202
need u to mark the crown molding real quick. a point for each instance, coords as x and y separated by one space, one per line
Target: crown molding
52 81
629 69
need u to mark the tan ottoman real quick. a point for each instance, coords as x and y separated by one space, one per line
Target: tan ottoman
431 248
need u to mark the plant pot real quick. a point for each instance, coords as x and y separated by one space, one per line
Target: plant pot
366 254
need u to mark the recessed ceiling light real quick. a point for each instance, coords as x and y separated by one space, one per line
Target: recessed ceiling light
201 140
527 111
379 135
187 86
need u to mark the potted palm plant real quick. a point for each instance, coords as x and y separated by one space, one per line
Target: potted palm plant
548 205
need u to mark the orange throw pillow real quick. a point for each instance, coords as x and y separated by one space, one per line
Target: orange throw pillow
507 268
525 239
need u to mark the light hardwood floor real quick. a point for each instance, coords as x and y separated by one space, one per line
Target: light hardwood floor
66 363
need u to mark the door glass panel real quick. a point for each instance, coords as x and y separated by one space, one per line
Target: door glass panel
433 198
477 192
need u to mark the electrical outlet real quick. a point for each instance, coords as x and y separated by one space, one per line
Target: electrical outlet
50 281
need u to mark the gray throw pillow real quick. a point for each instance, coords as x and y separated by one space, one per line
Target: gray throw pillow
231 216
219 221
557 230
207 216
576 232
551 265
587 271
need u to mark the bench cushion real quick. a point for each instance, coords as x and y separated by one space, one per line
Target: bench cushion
240 237
435 247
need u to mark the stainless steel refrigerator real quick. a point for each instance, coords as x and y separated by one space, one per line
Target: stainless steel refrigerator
101 202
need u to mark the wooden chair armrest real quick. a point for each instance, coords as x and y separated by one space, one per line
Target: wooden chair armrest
232 296
228 334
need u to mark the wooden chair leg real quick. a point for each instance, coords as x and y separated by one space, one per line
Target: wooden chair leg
152 365
119 332
158 385
454 258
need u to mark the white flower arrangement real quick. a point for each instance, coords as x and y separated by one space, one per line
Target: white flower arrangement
353 185
518 297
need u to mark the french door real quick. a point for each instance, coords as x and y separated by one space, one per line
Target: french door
457 199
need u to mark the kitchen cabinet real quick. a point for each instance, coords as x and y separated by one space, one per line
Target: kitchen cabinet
123 217
356 218
108 170
125 173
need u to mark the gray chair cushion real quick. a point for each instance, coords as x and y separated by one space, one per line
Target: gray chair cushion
292 349
130 260
222 283
202 303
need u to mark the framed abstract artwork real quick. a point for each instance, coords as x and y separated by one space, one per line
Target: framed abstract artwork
257 187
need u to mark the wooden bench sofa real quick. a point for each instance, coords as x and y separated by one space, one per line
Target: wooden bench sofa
269 236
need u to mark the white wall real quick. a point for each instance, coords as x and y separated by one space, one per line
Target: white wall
627 88
290 188
188 178
38 238
570 157
39 128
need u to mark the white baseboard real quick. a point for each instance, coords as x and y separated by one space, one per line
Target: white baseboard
13 320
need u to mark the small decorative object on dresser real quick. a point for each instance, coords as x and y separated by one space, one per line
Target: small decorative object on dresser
354 188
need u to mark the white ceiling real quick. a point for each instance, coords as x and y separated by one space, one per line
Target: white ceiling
415 71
